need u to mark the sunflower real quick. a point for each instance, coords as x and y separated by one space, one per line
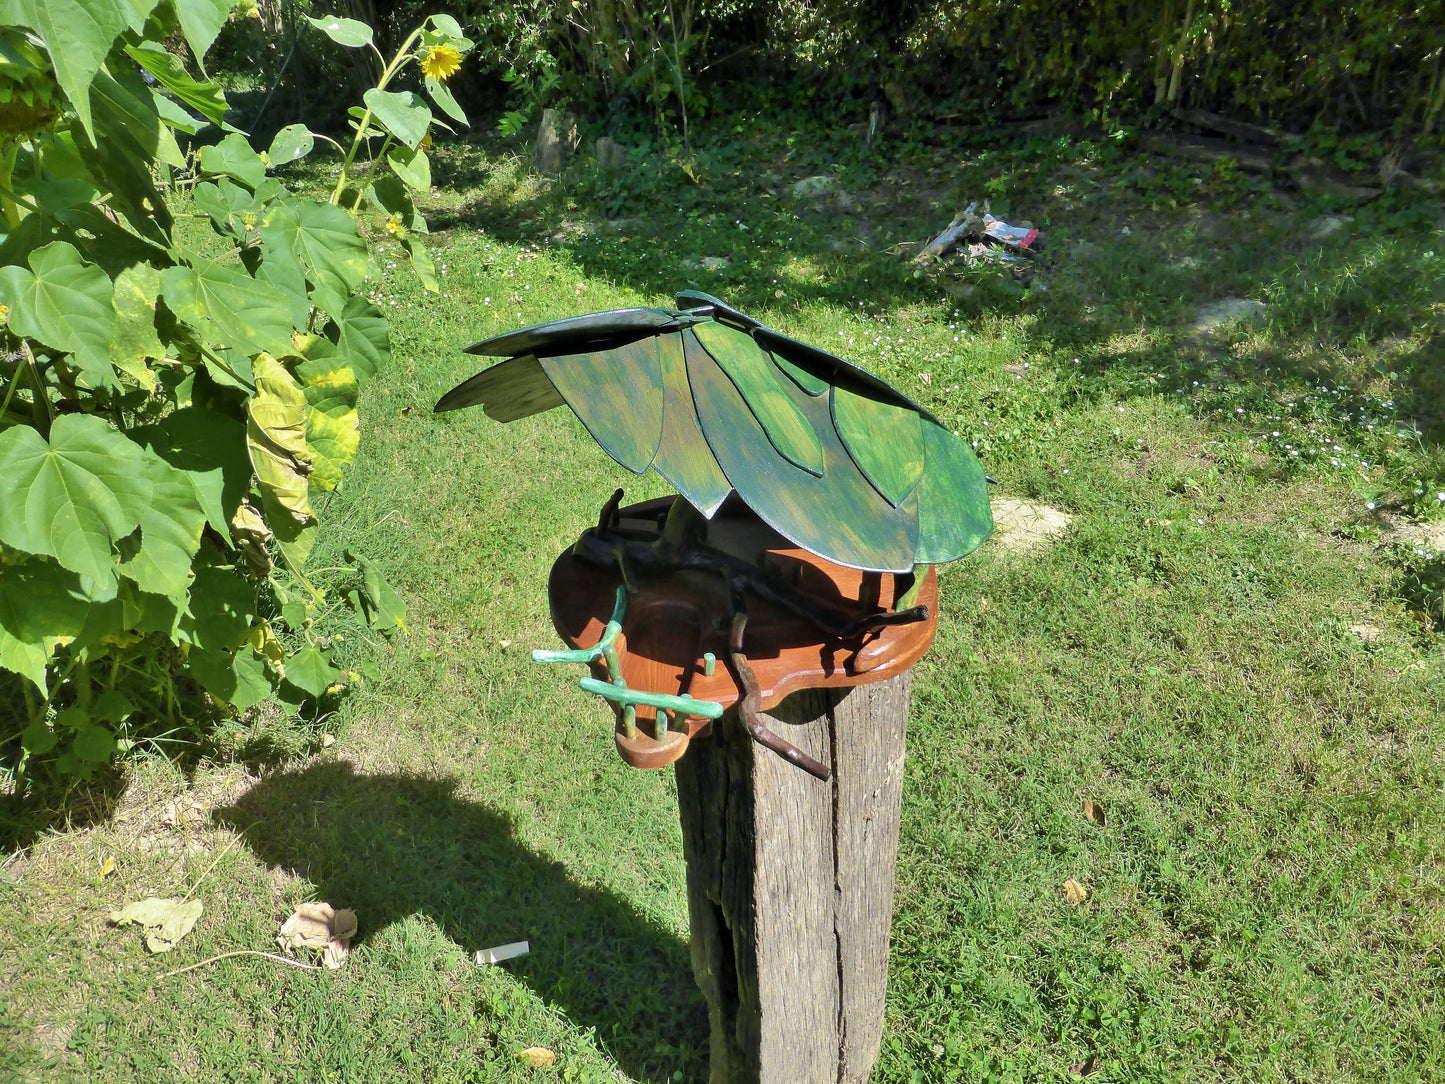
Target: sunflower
441 61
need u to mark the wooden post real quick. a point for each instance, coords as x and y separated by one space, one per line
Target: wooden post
790 884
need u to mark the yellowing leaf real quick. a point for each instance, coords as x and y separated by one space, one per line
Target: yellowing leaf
537 1056
1074 892
276 441
1094 812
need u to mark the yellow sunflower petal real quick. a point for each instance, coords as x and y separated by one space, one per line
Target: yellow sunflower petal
441 61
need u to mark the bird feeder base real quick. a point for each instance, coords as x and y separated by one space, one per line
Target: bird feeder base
675 633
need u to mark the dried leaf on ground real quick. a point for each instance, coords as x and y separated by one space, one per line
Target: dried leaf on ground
1094 812
1085 1067
165 921
538 1056
319 926
1074 892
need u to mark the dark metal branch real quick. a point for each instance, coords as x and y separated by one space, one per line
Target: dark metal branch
753 698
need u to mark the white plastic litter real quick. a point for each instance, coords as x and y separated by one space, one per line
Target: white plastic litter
503 952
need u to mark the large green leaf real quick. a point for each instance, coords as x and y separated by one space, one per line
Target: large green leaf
133 338
241 680
365 338
201 21
210 448
65 303
228 307
129 134
412 166
348 32
74 498
170 524
78 34
221 609
233 157
276 439
206 98
311 671
402 113
41 607
325 238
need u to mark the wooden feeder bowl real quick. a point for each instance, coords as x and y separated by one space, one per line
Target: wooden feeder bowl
674 622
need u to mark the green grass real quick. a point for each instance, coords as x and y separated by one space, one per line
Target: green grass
1267 896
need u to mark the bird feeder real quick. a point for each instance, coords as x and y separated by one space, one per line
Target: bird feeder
757 631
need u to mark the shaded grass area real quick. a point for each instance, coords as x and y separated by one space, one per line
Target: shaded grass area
1267 895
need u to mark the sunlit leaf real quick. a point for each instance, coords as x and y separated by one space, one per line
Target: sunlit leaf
332 432
311 671
201 21
411 166
292 142
133 338
276 437
64 302
75 497
402 113
443 97
228 307
347 32
382 607
206 98
233 157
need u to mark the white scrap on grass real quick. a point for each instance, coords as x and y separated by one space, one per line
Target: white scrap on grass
503 952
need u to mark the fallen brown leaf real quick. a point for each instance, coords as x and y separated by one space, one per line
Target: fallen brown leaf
1074 892
537 1056
1094 812
319 926
1085 1067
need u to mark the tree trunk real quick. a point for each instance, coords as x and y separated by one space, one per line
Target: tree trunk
790 884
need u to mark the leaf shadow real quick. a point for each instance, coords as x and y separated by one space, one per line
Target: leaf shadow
394 845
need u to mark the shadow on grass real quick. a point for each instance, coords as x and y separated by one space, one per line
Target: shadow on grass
391 846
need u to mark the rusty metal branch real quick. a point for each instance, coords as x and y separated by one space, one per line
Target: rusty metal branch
752 698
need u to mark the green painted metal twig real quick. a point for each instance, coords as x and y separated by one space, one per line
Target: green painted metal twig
615 688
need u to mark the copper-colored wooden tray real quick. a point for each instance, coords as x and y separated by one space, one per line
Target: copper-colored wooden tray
672 623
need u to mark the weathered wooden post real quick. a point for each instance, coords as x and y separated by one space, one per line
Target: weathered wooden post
757 631
789 875
790 885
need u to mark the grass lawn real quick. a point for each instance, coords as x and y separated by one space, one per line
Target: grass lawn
1236 648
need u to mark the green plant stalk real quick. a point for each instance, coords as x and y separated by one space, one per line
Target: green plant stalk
9 203
380 156
388 73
